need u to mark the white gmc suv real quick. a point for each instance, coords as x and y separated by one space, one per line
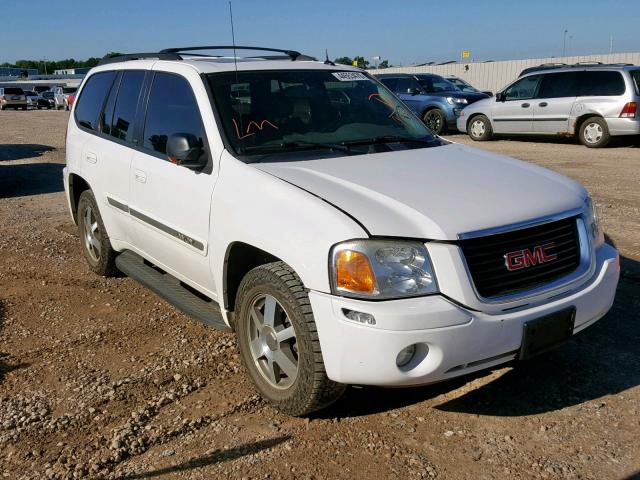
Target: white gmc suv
300 204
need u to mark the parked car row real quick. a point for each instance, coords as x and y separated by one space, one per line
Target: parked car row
40 97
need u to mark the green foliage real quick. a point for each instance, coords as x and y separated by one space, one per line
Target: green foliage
52 65
344 61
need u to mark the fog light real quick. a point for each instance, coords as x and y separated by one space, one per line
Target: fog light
405 355
359 317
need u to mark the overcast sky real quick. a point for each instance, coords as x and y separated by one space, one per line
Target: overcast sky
403 31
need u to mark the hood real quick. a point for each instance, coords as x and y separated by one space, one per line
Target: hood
432 193
472 96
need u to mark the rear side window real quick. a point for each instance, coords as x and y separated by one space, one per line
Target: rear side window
635 76
601 83
557 85
123 117
172 108
92 98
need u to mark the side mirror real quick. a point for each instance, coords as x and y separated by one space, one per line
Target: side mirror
414 91
499 97
186 150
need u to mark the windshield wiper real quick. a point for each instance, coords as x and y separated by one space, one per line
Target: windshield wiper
287 146
391 139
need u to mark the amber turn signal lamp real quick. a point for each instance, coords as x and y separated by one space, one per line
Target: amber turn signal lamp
354 272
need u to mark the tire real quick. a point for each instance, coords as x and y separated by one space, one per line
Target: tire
1 107
479 128
277 288
594 132
94 240
435 120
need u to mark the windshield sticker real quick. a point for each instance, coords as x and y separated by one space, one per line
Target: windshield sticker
349 76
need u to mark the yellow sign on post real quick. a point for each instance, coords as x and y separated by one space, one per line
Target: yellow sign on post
354 63
466 54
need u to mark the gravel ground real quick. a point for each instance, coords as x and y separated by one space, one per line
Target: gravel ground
99 378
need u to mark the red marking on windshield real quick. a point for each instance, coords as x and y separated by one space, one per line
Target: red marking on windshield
260 126
240 137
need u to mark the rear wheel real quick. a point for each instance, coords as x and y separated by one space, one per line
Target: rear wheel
479 128
279 342
594 132
435 120
96 246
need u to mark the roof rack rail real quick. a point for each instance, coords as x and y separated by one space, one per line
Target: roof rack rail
139 56
292 54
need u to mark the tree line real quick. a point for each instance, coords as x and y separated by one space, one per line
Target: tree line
49 66
361 62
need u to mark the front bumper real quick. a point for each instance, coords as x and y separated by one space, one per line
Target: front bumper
461 123
452 340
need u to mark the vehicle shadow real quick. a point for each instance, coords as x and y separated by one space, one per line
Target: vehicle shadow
626 141
602 360
4 366
24 179
218 456
19 151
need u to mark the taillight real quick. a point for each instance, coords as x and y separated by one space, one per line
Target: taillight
629 110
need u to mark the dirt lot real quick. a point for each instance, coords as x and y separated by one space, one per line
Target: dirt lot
101 379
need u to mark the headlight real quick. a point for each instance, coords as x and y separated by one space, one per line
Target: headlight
382 269
457 101
593 223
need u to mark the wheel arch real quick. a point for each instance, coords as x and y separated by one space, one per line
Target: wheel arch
77 185
577 124
239 259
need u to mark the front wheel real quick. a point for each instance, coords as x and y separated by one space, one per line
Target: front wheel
435 120
594 132
479 128
96 246
279 343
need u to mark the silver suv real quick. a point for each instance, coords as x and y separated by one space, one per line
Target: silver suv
593 103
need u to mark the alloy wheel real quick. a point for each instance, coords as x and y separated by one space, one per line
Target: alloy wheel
92 236
272 341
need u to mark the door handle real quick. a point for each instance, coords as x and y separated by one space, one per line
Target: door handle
91 157
140 176
543 104
525 105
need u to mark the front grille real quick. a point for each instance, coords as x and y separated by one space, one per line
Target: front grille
487 263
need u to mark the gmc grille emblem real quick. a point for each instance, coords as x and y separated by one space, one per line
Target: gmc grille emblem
525 258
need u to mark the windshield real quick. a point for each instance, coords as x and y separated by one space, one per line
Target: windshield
47 94
284 110
69 90
434 83
13 91
462 85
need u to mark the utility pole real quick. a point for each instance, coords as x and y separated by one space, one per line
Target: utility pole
564 42
610 44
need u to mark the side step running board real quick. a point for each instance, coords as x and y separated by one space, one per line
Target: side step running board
170 288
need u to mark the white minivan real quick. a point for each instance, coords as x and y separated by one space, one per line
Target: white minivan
593 103
303 206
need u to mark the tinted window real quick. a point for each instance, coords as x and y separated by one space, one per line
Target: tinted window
557 85
522 89
172 109
601 83
405 85
92 98
69 89
124 114
390 83
106 115
635 75
13 91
